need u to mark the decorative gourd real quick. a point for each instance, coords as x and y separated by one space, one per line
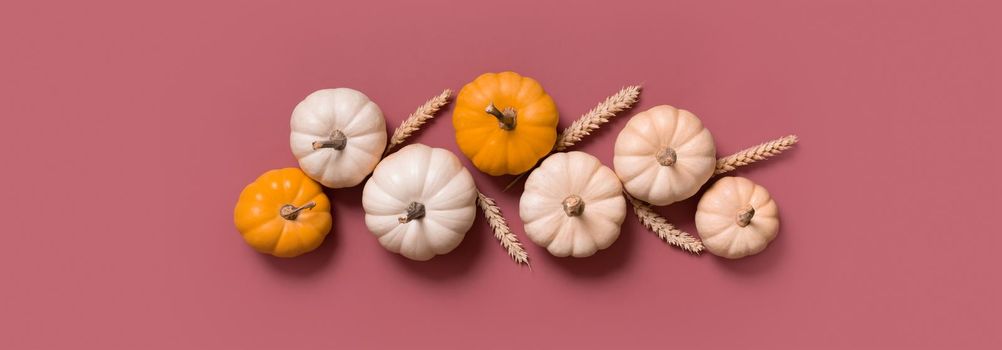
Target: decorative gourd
572 205
504 123
419 202
736 218
664 155
338 135
283 213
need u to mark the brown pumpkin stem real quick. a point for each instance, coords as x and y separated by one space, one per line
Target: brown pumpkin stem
745 216
573 205
291 212
337 141
506 118
667 156
415 211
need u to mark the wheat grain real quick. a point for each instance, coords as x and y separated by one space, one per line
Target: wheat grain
415 120
501 230
622 100
757 153
666 231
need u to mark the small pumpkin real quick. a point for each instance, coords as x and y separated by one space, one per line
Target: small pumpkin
572 205
338 136
664 155
504 123
419 202
283 213
736 218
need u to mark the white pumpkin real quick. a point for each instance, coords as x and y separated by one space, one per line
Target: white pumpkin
572 205
338 135
736 218
419 202
664 155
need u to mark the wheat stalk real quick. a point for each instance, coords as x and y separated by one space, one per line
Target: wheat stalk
418 118
622 100
750 155
502 232
666 231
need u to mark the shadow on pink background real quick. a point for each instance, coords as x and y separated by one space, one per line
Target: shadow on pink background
129 130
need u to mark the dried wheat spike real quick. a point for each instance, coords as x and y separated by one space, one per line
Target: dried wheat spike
501 230
418 118
666 231
599 115
754 154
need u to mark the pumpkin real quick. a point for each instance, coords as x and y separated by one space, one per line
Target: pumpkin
664 155
283 213
504 123
736 218
419 202
338 135
572 205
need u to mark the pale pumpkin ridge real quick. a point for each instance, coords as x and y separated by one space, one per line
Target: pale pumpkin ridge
394 237
564 234
545 236
688 123
585 234
354 119
439 247
740 186
439 167
435 197
419 169
350 114
590 178
649 132
597 225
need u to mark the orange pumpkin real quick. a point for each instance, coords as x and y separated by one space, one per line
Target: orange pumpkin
505 123
283 213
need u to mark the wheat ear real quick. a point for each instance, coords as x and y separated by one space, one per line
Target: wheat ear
753 154
418 118
501 230
622 100
666 231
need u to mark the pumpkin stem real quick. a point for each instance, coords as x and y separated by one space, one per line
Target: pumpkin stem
337 141
573 205
291 212
506 118
666 157
415 211
745 216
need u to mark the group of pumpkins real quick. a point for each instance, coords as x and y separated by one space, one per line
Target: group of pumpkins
420 201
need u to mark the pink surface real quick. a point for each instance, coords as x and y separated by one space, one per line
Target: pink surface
129 130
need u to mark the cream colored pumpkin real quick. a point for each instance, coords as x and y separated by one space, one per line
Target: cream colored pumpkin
419 202
572 205
664 155
736 218
338 135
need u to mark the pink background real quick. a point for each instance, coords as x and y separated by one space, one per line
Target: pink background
129 130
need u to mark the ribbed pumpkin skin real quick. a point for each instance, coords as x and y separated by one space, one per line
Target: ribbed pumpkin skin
717 213
344 110
493 149
433 177
257 213
542 210
652 131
